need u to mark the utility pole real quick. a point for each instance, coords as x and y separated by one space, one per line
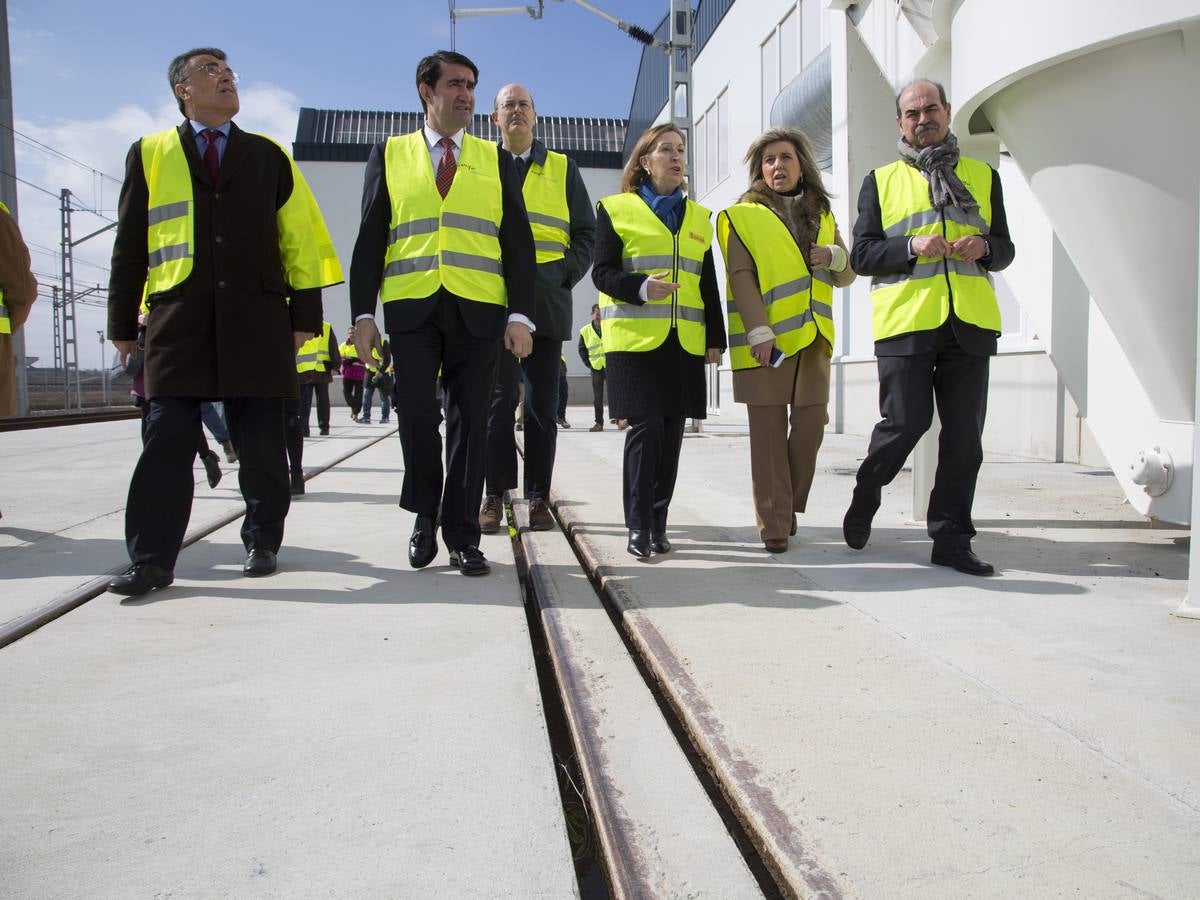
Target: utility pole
70 352
679 52
8 194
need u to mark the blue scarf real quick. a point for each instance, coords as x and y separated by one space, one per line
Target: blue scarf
669 207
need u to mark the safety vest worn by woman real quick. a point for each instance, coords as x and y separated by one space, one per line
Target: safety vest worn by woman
452 243
313 355
305 247
647 247
545 192
594 344
5 321
798 304
920 300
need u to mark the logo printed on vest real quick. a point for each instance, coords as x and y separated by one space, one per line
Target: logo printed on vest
696 237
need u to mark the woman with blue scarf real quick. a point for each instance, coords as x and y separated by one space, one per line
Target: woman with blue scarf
661 316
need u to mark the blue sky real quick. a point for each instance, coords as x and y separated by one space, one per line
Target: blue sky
89 79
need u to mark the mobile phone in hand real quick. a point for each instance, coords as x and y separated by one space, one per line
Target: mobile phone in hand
777 357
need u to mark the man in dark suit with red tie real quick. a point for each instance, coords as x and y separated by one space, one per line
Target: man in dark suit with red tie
446 245
219 233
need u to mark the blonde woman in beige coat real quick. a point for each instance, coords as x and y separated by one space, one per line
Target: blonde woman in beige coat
780 240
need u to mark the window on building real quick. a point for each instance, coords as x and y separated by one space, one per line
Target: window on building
789 48
699 159
770 76
723 135
710 139
812 36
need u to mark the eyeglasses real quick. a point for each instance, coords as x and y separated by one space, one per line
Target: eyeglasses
215 70
510 105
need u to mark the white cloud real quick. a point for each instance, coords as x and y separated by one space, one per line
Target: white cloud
101 144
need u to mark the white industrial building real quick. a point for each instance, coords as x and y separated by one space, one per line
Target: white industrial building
1088 112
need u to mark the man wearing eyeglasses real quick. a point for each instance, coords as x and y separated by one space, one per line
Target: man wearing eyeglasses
445 245
564 226
219 236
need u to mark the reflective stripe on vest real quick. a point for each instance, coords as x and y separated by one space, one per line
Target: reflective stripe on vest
305 247
797 305
313 355
594 344
647 247
920 300
545 192
5 318
452 243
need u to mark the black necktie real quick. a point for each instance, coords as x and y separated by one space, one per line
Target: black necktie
520 161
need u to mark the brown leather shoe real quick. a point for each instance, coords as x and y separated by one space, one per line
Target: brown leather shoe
491 514
599 426
775 546
540 517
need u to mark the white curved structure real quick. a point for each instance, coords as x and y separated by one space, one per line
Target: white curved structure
1099 113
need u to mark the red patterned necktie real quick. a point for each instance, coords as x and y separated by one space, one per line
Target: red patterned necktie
446 168
212 161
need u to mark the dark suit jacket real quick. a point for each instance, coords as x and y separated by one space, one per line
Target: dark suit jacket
874 253
484 319
552 306
227 330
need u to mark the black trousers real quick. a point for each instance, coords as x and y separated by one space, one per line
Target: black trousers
540 371
564 389
321 389
160 493
293 429
598 394
652 446
468 366
908 388
353 392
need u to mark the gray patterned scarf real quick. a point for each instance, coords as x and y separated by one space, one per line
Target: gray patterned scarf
937 164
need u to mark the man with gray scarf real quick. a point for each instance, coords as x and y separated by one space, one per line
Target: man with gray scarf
930 228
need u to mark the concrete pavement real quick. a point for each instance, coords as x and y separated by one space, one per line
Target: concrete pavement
883 728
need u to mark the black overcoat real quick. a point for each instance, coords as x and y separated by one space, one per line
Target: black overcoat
226 331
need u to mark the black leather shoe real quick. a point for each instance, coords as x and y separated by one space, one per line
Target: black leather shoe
141 578
469 561
297 484
856 526
659 542
422 546
212 469
962 559
639 543
259 563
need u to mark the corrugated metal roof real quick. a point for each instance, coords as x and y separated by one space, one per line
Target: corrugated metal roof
347 135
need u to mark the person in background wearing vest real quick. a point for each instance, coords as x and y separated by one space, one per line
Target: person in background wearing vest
591 351
220 229
783 257
446 246
378 378
661 308
353 375
564 227
316 362
930 228
18 290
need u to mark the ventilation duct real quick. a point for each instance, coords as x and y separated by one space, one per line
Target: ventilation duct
807 103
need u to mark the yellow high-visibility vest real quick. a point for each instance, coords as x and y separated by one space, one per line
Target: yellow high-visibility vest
5 320
545 192
348 351
313 355
647 247
594 344
305 247
920 300
452 243
798 304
